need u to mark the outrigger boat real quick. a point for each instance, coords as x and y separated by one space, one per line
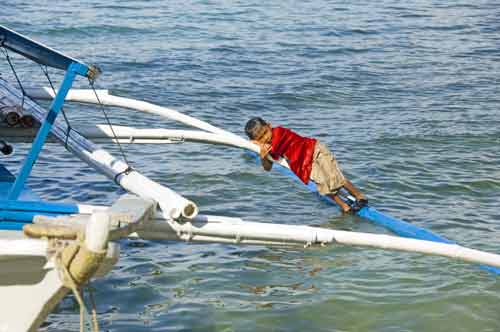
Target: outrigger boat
48 249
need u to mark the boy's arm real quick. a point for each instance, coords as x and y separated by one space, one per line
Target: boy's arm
266 164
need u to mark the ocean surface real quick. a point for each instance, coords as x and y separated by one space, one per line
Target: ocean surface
406 94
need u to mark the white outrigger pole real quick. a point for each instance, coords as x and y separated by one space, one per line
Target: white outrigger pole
209 134
233 230
218 229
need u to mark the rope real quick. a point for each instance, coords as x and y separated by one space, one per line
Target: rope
92 302
69 282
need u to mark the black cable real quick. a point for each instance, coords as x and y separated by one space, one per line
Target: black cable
7 57
128 170
110 126
66 119
46 73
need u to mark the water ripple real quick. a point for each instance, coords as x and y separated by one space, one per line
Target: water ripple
406 94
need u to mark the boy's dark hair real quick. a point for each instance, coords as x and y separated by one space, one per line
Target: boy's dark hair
253 126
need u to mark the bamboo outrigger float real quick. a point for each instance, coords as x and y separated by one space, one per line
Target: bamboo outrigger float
49 249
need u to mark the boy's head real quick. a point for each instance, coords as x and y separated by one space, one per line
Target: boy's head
258 130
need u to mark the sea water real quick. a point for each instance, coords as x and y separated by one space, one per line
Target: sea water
405 94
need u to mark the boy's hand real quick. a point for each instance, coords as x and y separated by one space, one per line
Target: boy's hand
264 150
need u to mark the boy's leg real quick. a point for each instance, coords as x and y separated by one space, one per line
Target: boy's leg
343 205
353 190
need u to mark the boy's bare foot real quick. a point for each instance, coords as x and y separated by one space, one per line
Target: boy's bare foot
343 205
346 210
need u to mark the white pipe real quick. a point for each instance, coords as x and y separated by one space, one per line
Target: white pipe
127 135
89 209
237 231
210 228
97 232
88 96
132 135
206 239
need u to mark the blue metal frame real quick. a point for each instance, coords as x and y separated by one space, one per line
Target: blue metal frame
74 69
33 50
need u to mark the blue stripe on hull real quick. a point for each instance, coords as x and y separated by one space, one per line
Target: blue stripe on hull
11 226
23 216
38 206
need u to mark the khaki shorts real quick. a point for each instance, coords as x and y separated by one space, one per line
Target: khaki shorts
325 171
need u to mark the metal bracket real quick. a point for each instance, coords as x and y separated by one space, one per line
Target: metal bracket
93 73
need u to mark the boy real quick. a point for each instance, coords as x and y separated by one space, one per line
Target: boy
308 159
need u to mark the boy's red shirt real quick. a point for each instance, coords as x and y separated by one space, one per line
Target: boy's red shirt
297 149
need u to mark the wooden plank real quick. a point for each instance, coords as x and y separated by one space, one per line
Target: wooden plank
132 209
129 214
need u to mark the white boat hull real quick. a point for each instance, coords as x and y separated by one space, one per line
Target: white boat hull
31 285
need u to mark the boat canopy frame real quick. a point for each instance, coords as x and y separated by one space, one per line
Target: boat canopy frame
34 50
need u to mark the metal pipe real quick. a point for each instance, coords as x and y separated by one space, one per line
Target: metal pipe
11 115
